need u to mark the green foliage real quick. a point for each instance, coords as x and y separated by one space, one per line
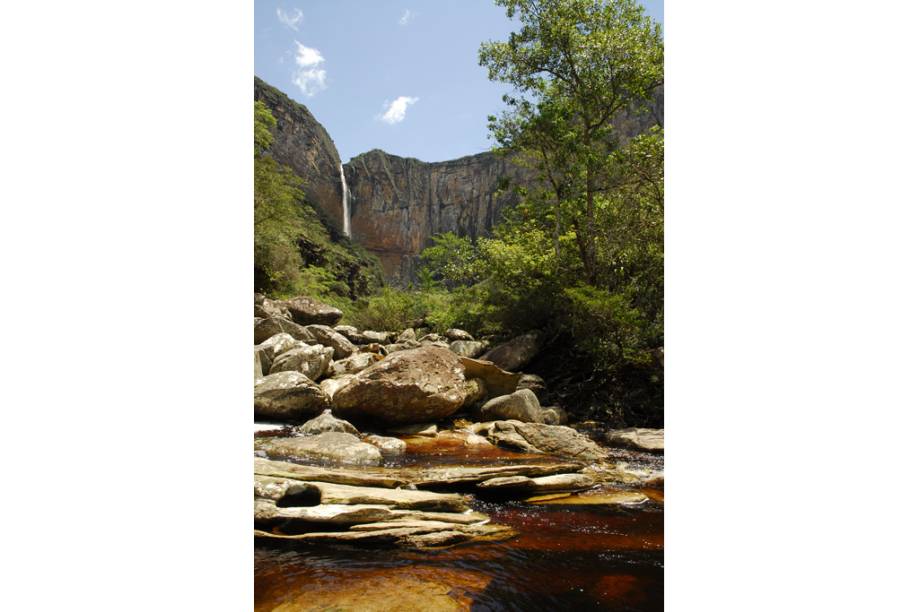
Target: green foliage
278 216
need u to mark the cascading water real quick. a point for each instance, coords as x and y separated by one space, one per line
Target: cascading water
345 202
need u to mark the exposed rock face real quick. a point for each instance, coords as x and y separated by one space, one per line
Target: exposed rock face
303 144
413 386
398 203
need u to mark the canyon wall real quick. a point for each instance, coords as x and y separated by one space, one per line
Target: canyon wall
303 144
398 203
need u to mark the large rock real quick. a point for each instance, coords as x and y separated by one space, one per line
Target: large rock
515 353
534 383
639 438
521 405
266 328
326 422
329 337
331 385
537 437
288 396
497 381
467 348
277 344
390 447
412 386
307 311
265 308
330 447
458 334
261 364
354 364
312 360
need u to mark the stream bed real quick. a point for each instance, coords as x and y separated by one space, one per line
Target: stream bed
566 556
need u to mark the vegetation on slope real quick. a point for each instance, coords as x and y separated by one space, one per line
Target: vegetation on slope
295 252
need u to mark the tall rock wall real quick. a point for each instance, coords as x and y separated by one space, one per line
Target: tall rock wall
398 203
303 144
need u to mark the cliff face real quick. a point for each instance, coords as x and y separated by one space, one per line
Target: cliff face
303 144
398 203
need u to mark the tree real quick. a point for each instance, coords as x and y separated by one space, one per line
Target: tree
574 65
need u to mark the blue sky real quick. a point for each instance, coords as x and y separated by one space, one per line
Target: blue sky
401 75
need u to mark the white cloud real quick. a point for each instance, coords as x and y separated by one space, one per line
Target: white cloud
291 20
406 17
395 110
309 77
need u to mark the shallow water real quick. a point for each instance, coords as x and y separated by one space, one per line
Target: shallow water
583 557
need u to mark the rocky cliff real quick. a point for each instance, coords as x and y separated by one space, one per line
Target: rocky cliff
303 144
398 203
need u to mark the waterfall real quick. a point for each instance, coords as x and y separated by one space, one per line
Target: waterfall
345 202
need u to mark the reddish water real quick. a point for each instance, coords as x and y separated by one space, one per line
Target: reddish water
564 558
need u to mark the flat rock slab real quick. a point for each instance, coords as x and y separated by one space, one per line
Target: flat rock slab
544 484
601 498
639 438
370 477
556 440
334 447
432 534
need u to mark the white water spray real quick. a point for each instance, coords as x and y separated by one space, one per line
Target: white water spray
345 202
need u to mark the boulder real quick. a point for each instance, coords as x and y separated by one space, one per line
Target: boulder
265 308
538 437
389 447
430 338
401 346
266 328
350 332
534 383
374 347
277 344
554 415
458 334
261 364
312 360
515 353
467 348
638 438
497 381
354 364
307 311
413 386
476 391
326 422
330 386
520 405
288 396
408 335
375 336
329 447
329 337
